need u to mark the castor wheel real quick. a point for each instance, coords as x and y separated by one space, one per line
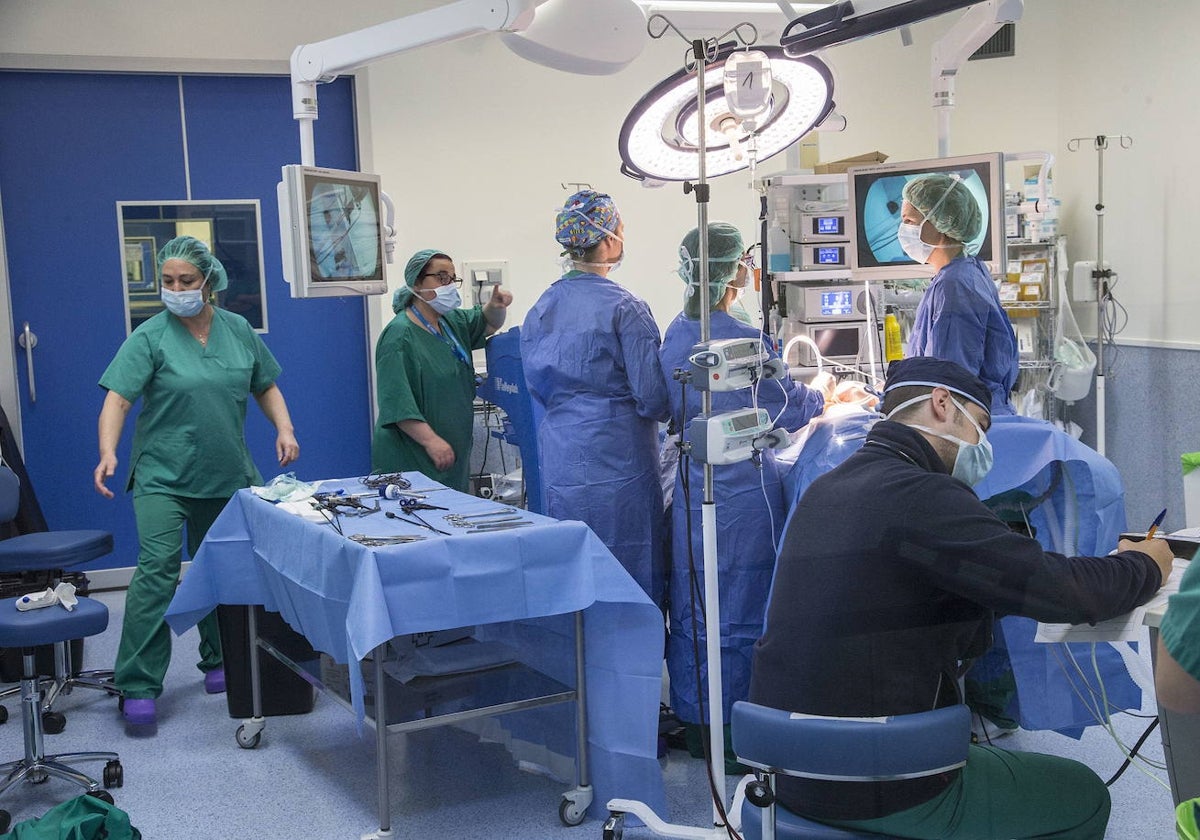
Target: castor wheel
3 719
570 813
614 826
114 774
245 740
758 793
102 795
53 722
5 821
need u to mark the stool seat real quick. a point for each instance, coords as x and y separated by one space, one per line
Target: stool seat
44 550
49 625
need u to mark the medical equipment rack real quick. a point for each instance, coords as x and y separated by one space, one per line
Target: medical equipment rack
573 807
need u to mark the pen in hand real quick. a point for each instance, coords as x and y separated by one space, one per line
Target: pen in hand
1157 521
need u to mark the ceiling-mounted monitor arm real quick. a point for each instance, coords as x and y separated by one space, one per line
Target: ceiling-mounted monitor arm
966 36
324 61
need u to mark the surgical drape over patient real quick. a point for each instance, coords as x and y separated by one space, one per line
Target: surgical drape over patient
947 204
192 250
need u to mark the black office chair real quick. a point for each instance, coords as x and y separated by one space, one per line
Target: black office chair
49 552
837 749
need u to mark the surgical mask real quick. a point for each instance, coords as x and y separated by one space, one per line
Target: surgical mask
909 237
446 298
184 304
974 460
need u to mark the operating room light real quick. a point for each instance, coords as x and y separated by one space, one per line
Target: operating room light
660 137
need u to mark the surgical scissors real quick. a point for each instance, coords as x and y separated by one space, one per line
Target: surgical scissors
418 521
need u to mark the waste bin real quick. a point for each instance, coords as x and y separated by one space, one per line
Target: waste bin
283 691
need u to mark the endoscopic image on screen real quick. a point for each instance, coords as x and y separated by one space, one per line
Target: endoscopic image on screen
343 231
880 215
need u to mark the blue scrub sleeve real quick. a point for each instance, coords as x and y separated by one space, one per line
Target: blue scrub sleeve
638 335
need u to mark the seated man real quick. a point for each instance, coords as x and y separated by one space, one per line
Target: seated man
1177 674
889 576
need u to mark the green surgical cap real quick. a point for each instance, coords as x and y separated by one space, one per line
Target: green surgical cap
412 272
192 250
947 204
725 249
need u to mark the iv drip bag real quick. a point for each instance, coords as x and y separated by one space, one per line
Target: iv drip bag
748 84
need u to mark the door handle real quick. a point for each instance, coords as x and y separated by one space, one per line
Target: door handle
28 340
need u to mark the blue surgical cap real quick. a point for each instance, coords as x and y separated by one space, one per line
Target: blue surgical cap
584 221
192 250
931 372
412 272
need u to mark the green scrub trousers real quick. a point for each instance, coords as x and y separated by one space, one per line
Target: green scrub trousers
1006 794
145 649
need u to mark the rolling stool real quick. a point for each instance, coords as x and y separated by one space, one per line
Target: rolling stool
837 749
51 551
27 630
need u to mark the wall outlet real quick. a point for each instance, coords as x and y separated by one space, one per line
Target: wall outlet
483 276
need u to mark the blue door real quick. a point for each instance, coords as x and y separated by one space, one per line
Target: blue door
72 146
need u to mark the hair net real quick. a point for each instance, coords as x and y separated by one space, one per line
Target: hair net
412 272
192 250
584 221
725 250
947 204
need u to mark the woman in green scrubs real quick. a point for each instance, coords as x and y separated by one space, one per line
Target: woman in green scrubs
424 376
192 366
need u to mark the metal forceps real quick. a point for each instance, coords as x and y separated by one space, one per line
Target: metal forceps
465 520
416 520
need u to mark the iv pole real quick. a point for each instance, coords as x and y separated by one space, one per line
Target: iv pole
701 53
1101 274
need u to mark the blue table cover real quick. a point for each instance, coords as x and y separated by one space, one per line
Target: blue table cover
346 599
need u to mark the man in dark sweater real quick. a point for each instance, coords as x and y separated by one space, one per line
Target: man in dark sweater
887 584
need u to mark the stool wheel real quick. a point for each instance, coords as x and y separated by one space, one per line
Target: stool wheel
3 719
102 795
114 774
759 794
245 739
53 722
614 826
5 821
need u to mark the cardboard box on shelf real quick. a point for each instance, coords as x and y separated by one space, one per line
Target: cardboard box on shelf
839 167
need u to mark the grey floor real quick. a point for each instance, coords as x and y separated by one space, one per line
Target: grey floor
313 776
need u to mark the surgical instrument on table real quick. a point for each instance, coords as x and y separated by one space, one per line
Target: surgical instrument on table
467 517
410 503
460 524
416 520
375 542
497 526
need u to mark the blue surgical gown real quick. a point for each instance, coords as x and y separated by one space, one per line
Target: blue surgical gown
960 319
750 513
590 352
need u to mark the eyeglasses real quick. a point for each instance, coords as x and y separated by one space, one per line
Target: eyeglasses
445 278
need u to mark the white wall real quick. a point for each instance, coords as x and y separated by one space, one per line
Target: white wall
474 143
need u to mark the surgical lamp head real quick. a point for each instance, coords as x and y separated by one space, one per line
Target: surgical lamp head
192 250
412 273
947 204
584 221
725 249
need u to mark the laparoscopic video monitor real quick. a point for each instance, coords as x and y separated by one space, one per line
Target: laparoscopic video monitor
876 199
331 232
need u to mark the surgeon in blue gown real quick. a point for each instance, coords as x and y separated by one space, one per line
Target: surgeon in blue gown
749 498
960 318
590 352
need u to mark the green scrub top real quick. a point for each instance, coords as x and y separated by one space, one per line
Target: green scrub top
1181 622
418 377
189 438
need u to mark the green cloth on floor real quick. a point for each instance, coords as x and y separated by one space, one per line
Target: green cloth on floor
1187 820
82 818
